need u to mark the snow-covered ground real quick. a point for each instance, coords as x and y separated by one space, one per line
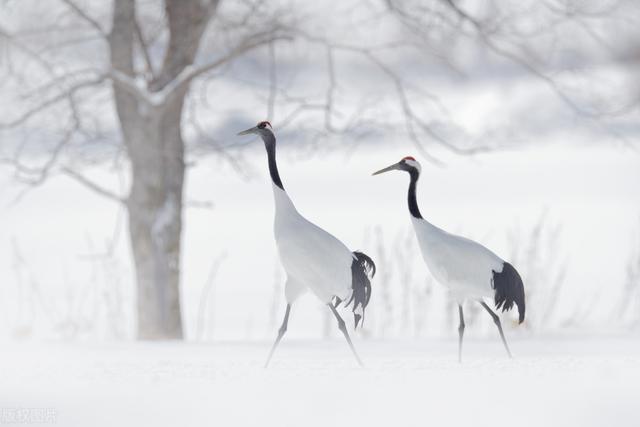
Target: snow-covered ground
559 381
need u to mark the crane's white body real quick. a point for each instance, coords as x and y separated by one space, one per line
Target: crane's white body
312 258
462 265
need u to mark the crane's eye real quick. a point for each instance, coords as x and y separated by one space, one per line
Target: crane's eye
261 125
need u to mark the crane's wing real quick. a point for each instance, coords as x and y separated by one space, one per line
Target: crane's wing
314 257
455 259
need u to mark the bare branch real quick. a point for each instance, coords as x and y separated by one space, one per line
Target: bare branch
52 101
411 119
85 16
190 72
215 145
257 40
92 185
157 98
35 176
553 84
11 39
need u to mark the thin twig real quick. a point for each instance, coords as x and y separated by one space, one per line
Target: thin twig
92 185
85 16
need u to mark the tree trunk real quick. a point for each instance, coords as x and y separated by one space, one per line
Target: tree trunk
155 149
155 219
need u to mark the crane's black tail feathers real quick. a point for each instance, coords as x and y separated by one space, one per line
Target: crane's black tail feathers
362 271
509 290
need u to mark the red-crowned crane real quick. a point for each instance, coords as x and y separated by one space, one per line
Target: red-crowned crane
466 268
312 258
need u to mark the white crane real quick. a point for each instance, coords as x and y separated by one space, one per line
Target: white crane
312 258
466 268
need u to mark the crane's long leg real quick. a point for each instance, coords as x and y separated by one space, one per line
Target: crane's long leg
343 328
281 331
460 333
496 320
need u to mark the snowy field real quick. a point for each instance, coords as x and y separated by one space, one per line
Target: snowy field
558 197
55 305
560 381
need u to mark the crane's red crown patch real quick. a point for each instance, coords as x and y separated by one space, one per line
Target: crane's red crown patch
408 158
264 124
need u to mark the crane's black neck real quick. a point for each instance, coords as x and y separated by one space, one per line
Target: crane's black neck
411 197
270 145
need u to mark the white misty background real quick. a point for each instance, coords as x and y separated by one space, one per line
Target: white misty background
131 211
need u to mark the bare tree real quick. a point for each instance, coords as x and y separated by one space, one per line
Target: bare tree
149 100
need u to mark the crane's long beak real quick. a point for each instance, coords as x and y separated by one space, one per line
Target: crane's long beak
248 131
387 169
